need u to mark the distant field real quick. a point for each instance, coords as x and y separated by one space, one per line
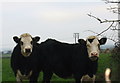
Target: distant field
104 62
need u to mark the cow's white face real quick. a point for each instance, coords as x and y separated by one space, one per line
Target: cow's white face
26 43
93 46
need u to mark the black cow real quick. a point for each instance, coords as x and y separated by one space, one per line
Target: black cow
70 60
24 58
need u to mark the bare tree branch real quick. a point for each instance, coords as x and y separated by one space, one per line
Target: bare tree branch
102 31
113 23
95 18
108 1
106 29
110 8
97 34
94 32
114 9
115 29
105 21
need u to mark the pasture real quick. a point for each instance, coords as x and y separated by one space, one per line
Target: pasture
104 62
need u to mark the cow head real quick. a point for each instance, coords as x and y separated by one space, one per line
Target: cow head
26 43
93 46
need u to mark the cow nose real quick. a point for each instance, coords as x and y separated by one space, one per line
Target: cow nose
94 54
27 50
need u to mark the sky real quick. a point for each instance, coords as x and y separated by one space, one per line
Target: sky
50 0
57 19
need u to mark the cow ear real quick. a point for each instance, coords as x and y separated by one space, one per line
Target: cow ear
16 39
82 41
36 39
102 41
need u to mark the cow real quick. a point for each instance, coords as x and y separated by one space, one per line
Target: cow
70 60
24 58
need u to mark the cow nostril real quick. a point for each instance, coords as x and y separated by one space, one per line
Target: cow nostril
94 54
27 50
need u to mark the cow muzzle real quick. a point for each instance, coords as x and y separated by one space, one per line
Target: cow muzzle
27 52
94 56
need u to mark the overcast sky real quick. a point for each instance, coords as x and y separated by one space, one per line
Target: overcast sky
57 19
50 0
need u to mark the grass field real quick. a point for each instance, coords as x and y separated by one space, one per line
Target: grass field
104 62
0 69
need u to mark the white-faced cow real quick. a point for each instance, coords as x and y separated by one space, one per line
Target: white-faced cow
93 49
70 60
24 58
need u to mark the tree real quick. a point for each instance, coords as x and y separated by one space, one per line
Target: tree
114 24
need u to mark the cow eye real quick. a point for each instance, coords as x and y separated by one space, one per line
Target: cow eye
21 43
31 42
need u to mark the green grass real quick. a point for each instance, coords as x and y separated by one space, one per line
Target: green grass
6 55
0 69
104 62
7 74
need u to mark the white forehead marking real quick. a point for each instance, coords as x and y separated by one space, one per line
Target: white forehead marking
92 37
26 37
95 41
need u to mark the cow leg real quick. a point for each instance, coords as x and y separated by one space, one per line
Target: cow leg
34 77
88 79
93 79
18 76
18 79
78 79
47 77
